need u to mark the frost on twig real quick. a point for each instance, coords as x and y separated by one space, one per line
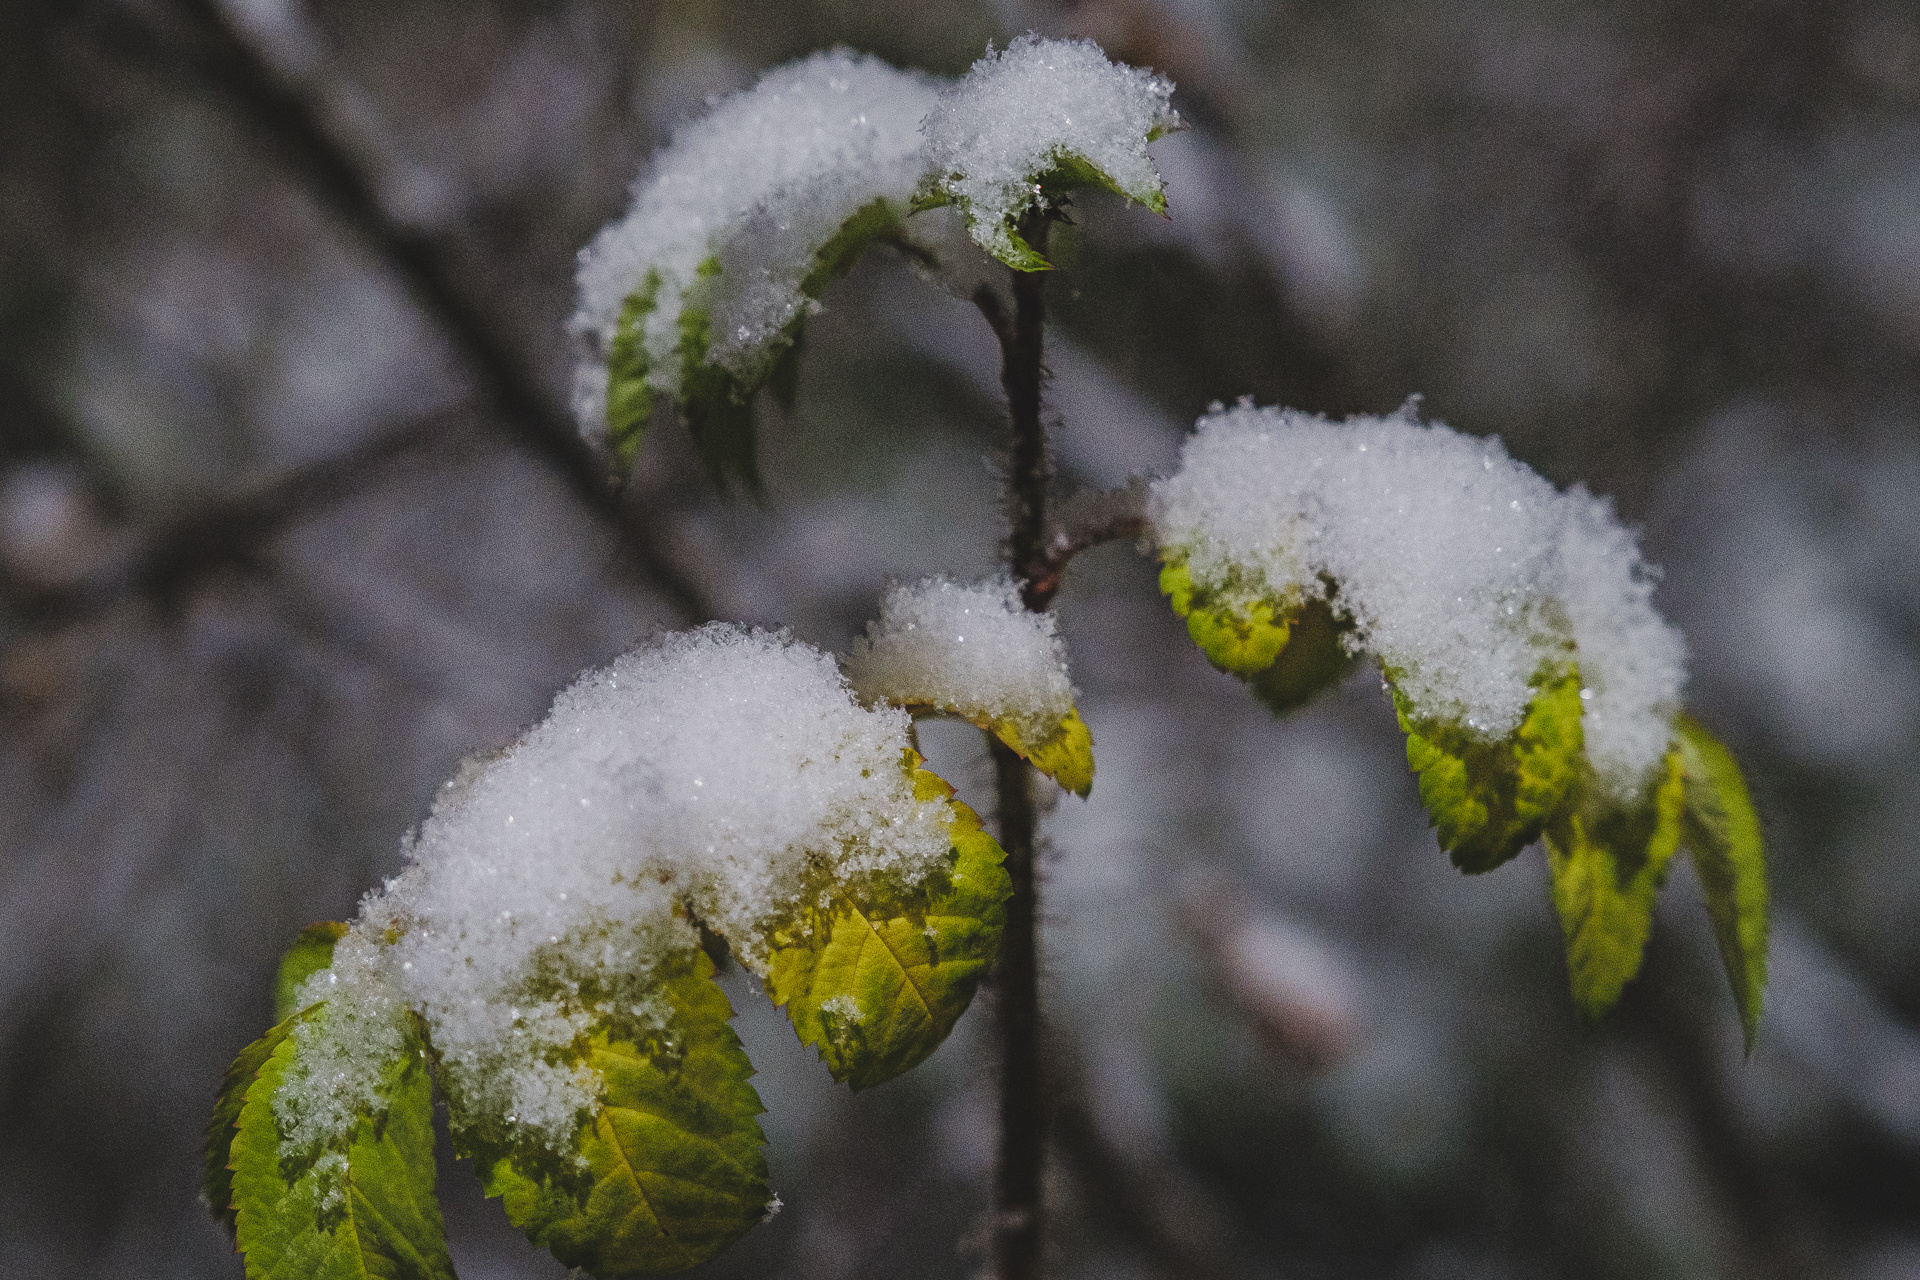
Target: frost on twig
977 652
1033 120
735 228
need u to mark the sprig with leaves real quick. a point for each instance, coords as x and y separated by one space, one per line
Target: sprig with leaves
545 964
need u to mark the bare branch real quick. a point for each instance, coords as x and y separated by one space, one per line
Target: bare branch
224 59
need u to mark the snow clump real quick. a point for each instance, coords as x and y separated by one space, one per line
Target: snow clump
760 183
1464 573
1026 109
723 773
976 651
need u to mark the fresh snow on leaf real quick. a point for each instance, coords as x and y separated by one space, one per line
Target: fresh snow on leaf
668 1167
311 952
1607 863
1461 571
875 981
722 775
1037 117
976 651
1722 832
357 1206
734 228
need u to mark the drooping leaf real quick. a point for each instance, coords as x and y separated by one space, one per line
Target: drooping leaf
714 402
311 952
669 1166
714 408
358 1208
1313 661
1489 800
629 397
875 985
1242 640
1289 654
836 257
1722 832
216 1175
1608 862
1065 755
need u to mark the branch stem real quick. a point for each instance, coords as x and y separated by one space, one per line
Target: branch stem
1018 1217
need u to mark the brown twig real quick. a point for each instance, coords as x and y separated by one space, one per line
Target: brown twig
1019 1237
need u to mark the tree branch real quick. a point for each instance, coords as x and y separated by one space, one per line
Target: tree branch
224 59
1019 1238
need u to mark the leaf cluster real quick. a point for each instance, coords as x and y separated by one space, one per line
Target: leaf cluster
1488 799
667 1167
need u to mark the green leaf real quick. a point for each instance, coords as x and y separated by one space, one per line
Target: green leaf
359 1208
216 1175
629 398
875 985
311 952
1313 661
1608 863
1722 832
1489 800
1065 755
1288 654
837 256
1240 639
670 1168
1066 170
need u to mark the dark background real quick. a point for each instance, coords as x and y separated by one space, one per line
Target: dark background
290 522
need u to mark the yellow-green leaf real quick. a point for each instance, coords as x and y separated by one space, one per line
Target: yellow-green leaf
1313 661
359 1208
216 1175
1489 800
1608 863
1722 832
670 1166
1065 755
1241 639
311 952
875 985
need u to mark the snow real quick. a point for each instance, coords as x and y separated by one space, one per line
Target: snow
1023 110
975 650
1463 571
723 772
760 183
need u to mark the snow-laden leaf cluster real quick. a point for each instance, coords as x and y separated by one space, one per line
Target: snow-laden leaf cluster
698 294
542 955
1537 686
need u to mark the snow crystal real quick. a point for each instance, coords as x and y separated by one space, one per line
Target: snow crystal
972 650
760 183
1463 571
1022 111
725 772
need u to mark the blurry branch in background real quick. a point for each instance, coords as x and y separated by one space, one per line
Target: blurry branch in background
165 561
201 37
1142 1196
1288 987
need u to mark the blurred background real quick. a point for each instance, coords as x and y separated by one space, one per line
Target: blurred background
290 521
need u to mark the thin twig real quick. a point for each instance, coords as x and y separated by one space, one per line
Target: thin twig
221 56
1019 1237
